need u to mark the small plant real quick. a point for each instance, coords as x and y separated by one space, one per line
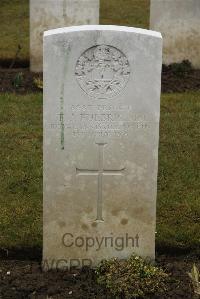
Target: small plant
181 69
131 278
38 83
18 79
195 277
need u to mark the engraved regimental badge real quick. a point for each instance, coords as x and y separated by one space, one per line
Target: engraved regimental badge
102 71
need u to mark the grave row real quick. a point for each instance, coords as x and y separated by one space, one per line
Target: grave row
177 20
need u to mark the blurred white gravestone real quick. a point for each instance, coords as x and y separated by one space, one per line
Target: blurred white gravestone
179 23
50 14
101 133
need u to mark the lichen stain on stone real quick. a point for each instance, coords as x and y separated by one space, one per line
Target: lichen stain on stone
84 226
124 221
61 224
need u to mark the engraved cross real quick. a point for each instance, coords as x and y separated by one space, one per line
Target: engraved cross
100 172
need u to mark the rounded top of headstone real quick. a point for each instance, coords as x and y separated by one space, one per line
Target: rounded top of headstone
103 28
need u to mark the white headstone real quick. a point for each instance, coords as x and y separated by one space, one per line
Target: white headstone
179 23
50 14
101 132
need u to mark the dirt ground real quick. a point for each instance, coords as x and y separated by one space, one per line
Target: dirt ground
175 78
25 279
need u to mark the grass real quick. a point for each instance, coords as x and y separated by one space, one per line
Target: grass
178 210
21 170
14 16
125 12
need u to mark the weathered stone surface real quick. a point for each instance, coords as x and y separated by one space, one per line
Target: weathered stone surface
179 23
101 131
50 14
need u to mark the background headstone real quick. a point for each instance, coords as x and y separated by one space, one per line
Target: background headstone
101 131
179 23
50 14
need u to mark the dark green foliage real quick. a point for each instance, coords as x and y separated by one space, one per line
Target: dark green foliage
181 69
18 80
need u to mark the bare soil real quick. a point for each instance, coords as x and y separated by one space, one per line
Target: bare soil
25 279
175 78
180 77
24 85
